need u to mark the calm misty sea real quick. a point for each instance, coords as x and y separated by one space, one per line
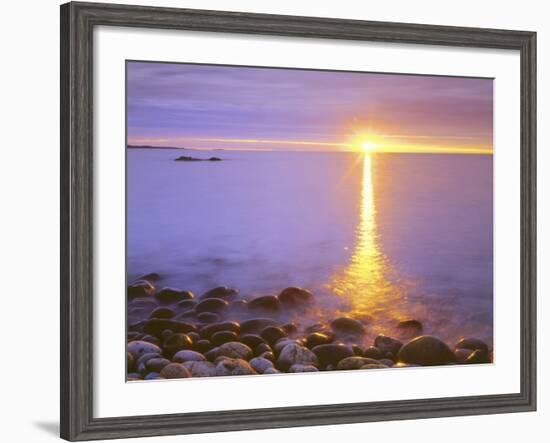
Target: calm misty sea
383 237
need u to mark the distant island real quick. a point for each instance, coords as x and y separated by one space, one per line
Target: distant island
185 158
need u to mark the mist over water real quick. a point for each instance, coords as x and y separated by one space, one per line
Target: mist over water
382 237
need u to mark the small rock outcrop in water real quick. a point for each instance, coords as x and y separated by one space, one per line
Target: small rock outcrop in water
173 335
186 158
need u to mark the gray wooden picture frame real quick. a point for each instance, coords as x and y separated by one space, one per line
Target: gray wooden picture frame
77 24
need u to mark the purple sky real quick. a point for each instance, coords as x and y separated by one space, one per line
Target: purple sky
200 106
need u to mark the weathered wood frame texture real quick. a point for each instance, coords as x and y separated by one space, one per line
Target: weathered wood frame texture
77 24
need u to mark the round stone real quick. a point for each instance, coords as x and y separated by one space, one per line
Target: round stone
175 370
188 355
293 354
139 347
426 350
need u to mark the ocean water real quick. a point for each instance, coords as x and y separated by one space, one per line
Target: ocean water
382 237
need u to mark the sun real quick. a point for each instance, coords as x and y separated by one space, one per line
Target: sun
368 146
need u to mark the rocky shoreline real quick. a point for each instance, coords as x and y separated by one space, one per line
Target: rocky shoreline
173 334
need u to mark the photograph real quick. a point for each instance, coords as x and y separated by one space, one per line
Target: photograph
283 220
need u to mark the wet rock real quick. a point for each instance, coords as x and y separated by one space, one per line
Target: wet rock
472 343
231 366
317 338
173 295
133 336
215 305
347 326
267 303
272 333
176 342
155 326
140 288
261 348
387 362
233 349
152 376
156 364
374 366
203 346
189 316
162 313
130 362
280 344
256 325
194 336
357 350
289 328
208 317
302 368
200 368
150 339
426 350
351 363
387 345
142 361
222 292
208 331
271 371
316 327
260 364
462 354
175 370
268 355
295 297
372 352
133 376
331 354
187 355
478 356
410 328
293 354
138 347
185 305
152 276
251 340
221 337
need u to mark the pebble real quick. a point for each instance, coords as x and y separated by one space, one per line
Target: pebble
260 364
472 343
252 340
331 354
156 364
175 343
387 345
203 346
426 350
271 371
153 376
294 297
221 337
233 366
208 330
139 347
232 349
188 355
478 356
293 354
155 326
130 362
347 326
462 354
152 276
350 363
317 338
200 368
140 288
162 313
175 370
267 303
256 325
372 352
272 333
302 368
215 305
222 292
173 295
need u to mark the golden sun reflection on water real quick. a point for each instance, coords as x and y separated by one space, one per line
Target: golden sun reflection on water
365 283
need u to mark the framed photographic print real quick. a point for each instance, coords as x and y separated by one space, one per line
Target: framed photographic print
292 221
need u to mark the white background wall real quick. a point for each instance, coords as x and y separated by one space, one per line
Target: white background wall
29 187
